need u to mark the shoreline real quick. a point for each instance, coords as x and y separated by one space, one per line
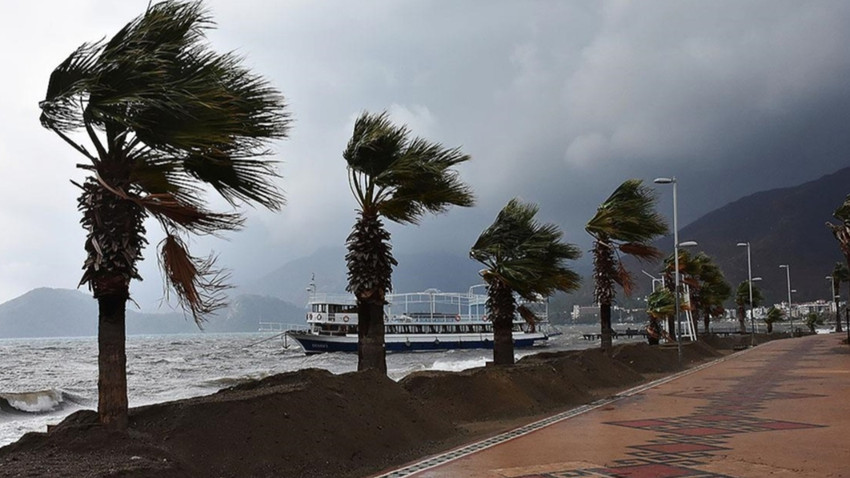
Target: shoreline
311 423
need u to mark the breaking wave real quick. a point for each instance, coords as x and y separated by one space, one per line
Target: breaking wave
42 401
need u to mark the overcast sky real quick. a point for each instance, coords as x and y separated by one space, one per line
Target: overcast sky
557 102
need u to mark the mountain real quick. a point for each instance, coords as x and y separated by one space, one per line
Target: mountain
414 273
783 226
70 313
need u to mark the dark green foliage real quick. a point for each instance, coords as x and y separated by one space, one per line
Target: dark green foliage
521 257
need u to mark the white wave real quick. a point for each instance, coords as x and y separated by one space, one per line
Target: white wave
42 401
458 365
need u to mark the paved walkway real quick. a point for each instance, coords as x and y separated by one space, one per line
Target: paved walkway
781 409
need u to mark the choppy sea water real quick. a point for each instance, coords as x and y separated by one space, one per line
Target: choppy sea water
44 380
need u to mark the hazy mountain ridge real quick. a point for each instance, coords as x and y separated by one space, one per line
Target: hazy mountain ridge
48 312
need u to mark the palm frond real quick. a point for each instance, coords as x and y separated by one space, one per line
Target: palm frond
526 256
198 285
628 215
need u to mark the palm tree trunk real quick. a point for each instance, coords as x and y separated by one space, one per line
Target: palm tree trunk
500 301
370 336
706 322
837 315
605 327
112 362
742 316
370 266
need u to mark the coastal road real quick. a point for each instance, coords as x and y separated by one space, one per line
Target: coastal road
781 409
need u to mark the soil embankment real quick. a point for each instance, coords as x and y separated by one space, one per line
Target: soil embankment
311 423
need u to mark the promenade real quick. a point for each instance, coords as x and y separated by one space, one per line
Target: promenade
781 409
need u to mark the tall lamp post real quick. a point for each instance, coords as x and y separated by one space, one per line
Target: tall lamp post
788 279
750 283
676 246
834 296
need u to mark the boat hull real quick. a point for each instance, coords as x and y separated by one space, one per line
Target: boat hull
314 344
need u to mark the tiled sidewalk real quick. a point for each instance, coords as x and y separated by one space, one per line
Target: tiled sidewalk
780 409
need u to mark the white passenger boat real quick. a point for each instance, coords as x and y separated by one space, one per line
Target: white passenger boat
429 320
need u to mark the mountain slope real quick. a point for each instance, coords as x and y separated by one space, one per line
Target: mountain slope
783 226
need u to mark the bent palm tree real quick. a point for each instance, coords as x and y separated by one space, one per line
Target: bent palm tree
660 306
841 232
165 117
773 315
626 222
400 179
707 286
524 258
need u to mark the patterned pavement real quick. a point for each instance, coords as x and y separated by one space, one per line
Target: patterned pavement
746 415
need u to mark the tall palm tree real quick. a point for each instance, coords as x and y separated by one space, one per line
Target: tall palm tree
840 273
841 232
400 179
625 223
525 258
742 300
165 118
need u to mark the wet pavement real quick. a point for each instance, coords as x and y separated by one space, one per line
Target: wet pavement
780 409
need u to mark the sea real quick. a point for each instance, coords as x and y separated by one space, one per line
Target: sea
44 380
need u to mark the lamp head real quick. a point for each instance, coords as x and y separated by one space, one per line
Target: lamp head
783 266
743 244
688 244
664 180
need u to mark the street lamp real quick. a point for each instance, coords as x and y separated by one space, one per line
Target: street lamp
834 296
788 278
676 246
750 282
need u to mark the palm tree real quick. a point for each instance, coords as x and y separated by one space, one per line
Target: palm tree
840 273
660 306
525 258
742 300
707 286
165 117
813 319
841 232
401 179
625 222
773 315
714 292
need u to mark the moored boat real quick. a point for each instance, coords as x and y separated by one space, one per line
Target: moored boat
429 320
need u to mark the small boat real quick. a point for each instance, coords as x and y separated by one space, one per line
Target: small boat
429 320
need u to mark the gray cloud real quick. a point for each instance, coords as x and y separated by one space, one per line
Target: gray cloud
557 102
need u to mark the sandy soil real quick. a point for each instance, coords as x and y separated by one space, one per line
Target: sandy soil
311 423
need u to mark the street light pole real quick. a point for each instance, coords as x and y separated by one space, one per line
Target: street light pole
788 278
833 295
676 246
750 282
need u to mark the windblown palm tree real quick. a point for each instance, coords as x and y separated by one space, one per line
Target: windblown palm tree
773 315
841 232
400 179
525 258
706 284
742 300
626 222
660 306
165 117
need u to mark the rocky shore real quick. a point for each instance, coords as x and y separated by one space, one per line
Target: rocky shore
311 423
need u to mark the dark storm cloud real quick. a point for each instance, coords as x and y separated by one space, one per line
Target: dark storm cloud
557 102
